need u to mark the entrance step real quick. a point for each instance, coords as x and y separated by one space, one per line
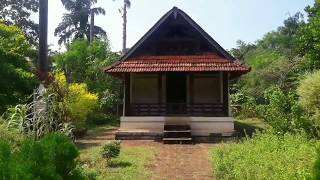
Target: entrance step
177 134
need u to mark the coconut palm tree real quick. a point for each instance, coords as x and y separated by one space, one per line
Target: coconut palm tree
123 11
75 23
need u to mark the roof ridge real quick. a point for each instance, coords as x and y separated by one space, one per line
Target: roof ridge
190 21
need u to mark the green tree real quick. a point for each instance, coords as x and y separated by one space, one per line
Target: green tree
274 59
84 63
75 24
18 13
17 80
309 36
284 40
242 50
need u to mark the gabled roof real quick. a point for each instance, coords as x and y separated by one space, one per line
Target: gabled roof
190 63
216 59
174 12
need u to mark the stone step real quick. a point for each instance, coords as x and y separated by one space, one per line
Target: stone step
178 139
176 127
176 131
185 140
177 134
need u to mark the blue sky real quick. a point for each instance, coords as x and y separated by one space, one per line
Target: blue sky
225 20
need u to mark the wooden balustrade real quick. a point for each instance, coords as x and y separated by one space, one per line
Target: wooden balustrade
176 109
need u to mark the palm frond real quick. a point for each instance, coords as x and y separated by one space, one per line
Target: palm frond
128 3
99 31
98 10
68 4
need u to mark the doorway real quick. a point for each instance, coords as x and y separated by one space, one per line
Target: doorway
176 88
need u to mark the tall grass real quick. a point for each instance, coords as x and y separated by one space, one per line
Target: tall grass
266 156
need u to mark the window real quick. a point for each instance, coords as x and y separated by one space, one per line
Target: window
145 88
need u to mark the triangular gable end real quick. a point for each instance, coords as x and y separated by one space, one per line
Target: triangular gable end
164 27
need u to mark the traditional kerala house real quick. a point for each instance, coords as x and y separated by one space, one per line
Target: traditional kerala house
176 83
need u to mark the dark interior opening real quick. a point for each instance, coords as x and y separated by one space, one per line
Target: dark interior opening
176 88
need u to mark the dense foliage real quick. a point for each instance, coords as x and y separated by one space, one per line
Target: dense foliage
53 157
75 102
278 61
266 156
283 90
282 111
309 41
18 13
308 91
83 63
17 80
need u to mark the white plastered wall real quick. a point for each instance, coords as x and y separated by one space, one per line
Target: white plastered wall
201 126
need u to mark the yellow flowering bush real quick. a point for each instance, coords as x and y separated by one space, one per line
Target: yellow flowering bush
75 99
80 102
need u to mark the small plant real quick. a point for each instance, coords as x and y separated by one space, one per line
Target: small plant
111 150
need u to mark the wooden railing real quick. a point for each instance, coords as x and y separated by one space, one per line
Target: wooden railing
177 109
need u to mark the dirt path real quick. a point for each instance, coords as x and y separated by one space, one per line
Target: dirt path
171 162
179 161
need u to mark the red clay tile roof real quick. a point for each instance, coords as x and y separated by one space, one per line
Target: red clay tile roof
191 63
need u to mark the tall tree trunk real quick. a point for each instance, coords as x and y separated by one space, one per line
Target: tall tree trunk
124 30
91 27
43 40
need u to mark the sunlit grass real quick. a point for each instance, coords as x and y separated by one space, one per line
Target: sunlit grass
132 163
266 156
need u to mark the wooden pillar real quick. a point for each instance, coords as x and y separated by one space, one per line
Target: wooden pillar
225 94
188 88
191 88
160 88
164 88
126 96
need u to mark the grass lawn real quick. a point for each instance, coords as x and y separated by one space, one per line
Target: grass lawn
131 164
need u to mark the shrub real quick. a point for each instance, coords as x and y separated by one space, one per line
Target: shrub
244 106
282 112
80 103
111 150
63 154
308 91
53 157
266 156
74 101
